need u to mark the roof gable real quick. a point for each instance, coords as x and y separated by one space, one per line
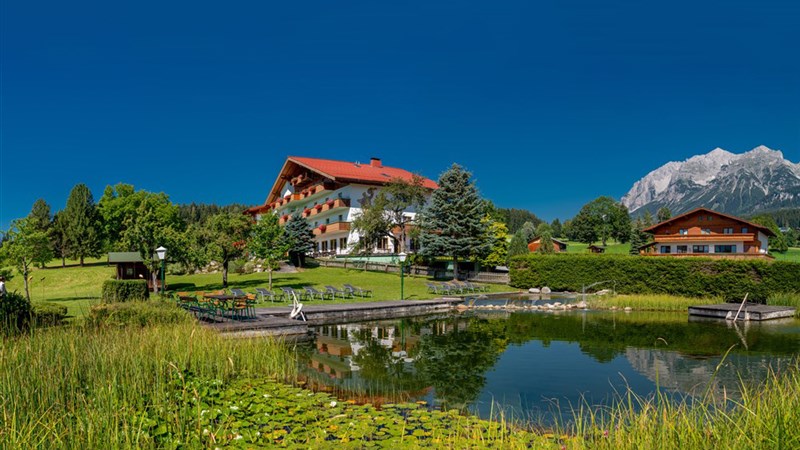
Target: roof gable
343 172
695 211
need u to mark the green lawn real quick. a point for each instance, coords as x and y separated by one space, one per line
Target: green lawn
78 288
792 255
385 286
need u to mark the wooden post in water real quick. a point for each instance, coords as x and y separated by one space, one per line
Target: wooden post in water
741 306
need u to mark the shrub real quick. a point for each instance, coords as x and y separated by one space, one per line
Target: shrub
124 290
15 313
691 277
49 314
136 313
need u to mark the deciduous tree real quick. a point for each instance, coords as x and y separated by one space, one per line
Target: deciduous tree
25 246
497 234
224 237
602 219
268 242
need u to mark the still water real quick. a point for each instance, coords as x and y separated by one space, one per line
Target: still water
537 365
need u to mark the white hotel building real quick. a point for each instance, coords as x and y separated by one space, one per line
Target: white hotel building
329 194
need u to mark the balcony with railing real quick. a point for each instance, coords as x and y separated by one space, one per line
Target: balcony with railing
327 206
331 228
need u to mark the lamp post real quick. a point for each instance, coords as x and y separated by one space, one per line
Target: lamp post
402 258
162 255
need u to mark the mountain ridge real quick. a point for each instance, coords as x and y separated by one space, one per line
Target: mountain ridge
755 181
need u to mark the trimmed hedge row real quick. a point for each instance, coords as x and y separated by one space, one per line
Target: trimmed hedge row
124 290
691 277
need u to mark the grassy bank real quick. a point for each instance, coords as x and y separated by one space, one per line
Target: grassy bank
88 386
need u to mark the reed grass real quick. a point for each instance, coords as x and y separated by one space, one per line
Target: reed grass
86 386
653 302
786 299
766 416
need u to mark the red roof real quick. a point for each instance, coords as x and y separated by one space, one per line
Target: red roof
355 172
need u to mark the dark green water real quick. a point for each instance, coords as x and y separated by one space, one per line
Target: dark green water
536 364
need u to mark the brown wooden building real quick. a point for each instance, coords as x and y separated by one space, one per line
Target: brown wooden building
558 246
131 266
704 232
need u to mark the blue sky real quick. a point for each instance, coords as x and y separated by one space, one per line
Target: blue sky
550 104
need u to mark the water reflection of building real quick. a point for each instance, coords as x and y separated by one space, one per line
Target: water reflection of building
694 376
336 346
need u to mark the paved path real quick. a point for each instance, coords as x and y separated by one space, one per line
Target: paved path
275 321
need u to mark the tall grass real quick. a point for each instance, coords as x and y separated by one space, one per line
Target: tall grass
85 386
786 299
766 416
652 302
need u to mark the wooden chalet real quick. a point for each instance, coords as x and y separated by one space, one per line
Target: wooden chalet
704 232
558 246
596 248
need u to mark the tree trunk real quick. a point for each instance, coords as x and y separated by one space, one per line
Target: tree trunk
81 260
455 267
225 273
63 261
269 270
25 278
154 276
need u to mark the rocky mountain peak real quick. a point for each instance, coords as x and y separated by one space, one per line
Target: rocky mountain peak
757 180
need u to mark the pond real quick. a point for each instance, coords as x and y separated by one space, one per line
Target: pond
536 365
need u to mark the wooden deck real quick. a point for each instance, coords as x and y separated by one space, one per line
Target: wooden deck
750 311
275 321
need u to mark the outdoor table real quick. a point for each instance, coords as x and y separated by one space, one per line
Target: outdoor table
226 299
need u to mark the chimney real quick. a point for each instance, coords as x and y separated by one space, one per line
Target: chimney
375 162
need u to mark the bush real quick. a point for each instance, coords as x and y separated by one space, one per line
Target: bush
49 314
124 290
15 313
691 277
136 313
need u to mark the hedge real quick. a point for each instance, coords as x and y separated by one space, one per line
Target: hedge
15 313
49 314
124 290
692 277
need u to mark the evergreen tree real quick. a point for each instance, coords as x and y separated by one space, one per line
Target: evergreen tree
638 237
40 218
546 242
528 232
515 218
58 238
268 242
663 214
518 245
452 223
299 237
558 230
544 228
82 227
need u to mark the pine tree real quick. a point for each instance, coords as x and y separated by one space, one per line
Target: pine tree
300 238
518 245
452 223
557 228
81 221
40 218
663 214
